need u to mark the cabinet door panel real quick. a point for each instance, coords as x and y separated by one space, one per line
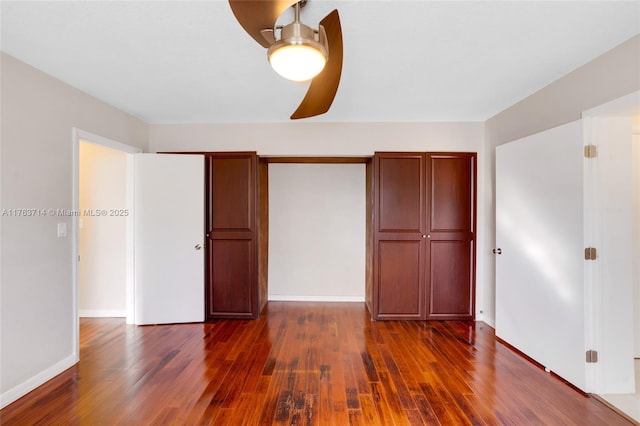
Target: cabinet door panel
400 280
451 194
450 292
400 190
232 183
232 272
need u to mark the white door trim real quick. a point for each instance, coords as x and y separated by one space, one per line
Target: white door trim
82 135
593 308
596 289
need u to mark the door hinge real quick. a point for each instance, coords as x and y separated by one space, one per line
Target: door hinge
590 253
592 356
590 151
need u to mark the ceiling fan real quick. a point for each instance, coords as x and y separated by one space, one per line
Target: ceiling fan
317 53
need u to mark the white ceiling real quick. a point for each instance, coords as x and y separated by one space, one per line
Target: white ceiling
191 62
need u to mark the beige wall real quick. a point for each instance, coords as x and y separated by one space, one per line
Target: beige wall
37 306
102 270
317 216
317 139
608 77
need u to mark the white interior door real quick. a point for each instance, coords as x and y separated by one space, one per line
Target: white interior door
539 230
169 238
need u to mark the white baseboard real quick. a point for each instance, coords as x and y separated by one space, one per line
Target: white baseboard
104 313
290 298
491 322
44 376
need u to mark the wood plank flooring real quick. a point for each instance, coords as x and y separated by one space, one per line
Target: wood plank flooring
303 364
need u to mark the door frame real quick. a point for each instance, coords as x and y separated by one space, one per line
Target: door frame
595 288
83 135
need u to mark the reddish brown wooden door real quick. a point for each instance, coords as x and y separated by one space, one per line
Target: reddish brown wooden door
451 235
399 243
232 286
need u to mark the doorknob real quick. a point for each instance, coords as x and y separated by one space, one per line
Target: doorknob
497 251
198 247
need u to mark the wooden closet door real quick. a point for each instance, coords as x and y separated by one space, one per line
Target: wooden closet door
451 183
232 286
399 243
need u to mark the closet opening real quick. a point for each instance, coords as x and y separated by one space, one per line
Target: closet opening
316 211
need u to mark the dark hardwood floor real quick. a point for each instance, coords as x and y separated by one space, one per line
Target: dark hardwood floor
303 363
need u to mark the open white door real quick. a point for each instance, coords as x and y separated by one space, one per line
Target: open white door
540 300
169 238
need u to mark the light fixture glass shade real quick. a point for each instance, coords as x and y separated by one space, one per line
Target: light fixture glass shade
297 62
300 54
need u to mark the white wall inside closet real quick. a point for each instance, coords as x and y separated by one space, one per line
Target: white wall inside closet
317 218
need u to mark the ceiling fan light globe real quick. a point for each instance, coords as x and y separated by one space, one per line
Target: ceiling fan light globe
297 62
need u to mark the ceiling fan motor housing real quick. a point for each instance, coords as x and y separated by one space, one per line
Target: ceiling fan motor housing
299 34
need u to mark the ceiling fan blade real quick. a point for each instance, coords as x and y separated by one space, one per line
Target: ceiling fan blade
324 86
257 15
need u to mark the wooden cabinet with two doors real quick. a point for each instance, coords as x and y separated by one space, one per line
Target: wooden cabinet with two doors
422 237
